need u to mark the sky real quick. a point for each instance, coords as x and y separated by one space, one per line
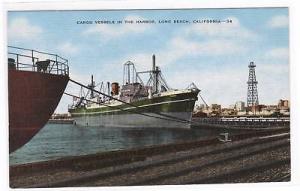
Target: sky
214 56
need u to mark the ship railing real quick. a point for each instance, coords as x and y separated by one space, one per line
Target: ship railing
37 61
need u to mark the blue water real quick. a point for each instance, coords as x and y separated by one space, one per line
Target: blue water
60 140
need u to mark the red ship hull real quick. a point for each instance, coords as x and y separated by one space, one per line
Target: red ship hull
33 97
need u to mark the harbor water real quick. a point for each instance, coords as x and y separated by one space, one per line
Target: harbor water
61 140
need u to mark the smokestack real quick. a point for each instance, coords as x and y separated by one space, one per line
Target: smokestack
153 62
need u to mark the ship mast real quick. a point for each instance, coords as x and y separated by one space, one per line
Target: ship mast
156 80
130 75
92 86
155 75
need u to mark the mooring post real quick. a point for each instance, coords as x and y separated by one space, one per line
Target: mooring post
226 137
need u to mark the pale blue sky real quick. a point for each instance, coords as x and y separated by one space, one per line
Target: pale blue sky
213 56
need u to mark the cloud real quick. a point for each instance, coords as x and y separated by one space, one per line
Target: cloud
220 40
22 29
273 82
116 31
68 48
221 30
278 54
224 87
142 61
179 47
230 85
209 47
279 21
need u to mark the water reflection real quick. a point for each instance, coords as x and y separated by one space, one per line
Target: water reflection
59 140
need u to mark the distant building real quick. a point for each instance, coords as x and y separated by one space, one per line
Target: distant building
240 109
200 107
284 107
241 113
215 108
228 112
255 110
283 104
272 107
269 110
231 106
240 106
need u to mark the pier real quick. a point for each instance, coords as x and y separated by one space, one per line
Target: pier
61 121
242 122
260 156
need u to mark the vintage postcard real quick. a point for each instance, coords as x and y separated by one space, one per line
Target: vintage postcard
140 97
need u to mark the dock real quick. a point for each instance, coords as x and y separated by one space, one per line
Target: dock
61 121
260 156
250 123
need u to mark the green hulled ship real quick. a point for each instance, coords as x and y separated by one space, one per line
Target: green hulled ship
136 104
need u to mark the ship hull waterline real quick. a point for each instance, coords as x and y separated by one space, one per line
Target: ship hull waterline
135 120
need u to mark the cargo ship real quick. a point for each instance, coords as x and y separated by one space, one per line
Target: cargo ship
135 104
36 83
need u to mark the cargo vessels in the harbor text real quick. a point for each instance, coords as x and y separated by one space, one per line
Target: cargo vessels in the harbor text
36 82
136 104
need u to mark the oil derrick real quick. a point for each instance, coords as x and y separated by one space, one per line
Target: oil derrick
252 95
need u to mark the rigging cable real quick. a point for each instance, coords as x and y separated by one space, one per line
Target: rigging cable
203 100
